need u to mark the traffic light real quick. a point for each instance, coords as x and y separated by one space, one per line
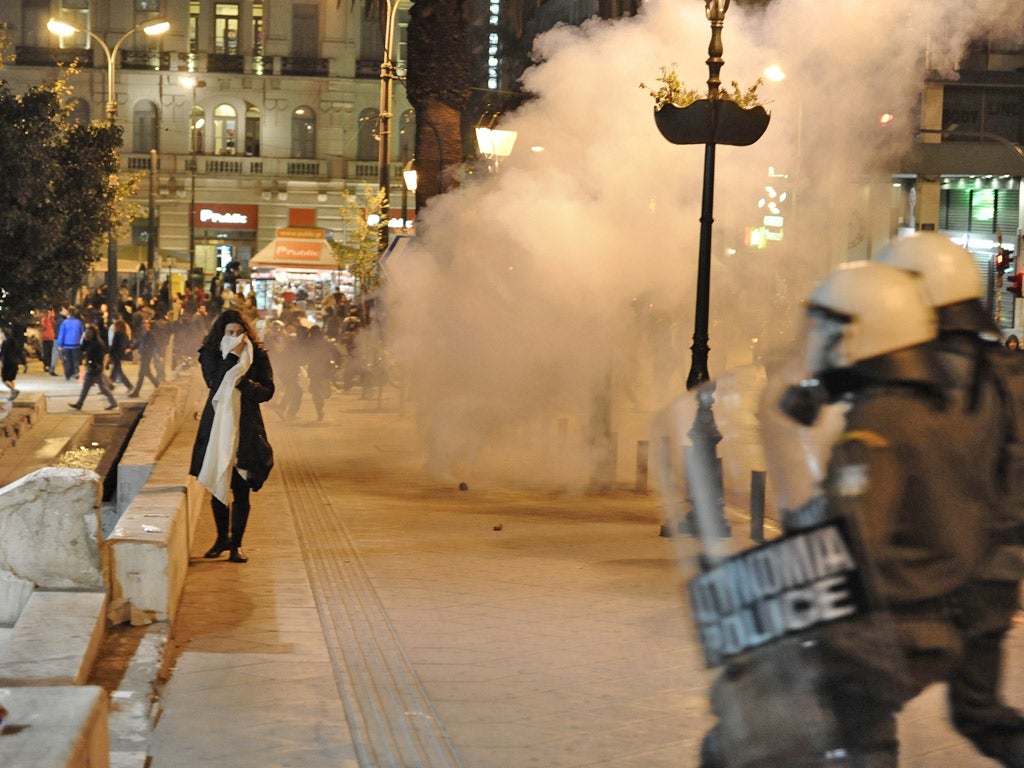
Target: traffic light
1004 260
1016 286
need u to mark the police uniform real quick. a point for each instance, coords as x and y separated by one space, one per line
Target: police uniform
990 384
914 475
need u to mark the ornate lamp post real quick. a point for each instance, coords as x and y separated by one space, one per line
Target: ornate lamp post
63 29
387 77
711 121
192 83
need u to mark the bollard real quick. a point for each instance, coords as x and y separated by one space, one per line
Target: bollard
641 466
757 493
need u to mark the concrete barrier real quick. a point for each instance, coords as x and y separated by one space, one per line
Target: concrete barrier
55 727
149 546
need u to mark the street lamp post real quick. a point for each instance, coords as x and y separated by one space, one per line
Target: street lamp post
63 29
194 126
387 77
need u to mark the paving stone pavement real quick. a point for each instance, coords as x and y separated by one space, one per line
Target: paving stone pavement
388 619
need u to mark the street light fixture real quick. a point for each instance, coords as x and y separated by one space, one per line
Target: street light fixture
493 143
64 29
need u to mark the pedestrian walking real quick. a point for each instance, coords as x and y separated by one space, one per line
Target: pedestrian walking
94 352
12 356
69 342
47 334
320 361
145 344
120 351
231 455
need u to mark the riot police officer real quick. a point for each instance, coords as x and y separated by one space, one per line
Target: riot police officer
990 384
912 476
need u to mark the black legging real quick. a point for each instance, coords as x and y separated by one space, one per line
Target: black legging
232 521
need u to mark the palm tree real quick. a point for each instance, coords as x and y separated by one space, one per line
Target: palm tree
438 86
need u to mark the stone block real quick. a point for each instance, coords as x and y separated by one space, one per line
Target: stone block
56 727
55 640
50 528
149 552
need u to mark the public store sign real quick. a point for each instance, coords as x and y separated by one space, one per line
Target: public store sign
226 216
789 585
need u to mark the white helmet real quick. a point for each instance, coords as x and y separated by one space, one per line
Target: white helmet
948 269
863 310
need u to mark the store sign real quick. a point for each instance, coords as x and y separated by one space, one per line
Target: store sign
221 216
297 250
302 233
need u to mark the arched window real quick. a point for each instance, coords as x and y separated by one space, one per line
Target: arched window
303 133
144 131
225 129
367 146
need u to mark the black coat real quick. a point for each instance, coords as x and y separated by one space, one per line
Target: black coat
257 386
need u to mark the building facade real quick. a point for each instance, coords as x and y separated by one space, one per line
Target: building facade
964 176
255 115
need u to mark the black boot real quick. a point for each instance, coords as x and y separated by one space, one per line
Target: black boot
221 519
237 555
219 547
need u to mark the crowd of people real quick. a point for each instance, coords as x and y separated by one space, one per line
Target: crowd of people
314 348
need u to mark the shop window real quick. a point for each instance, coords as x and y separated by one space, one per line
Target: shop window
304 133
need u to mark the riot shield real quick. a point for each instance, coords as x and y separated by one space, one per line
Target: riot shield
809 670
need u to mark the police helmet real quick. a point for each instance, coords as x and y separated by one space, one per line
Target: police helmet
863 310
951 278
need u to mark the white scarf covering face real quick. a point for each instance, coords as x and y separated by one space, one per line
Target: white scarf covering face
215 474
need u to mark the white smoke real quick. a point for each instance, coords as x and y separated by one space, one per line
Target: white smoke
571 273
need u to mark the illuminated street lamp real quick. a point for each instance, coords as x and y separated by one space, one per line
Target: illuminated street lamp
493 143
64 29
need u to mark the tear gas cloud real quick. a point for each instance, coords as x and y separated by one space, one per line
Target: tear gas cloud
531 294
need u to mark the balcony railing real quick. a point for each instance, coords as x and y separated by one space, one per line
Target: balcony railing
233 166
304 67
33 56
222 62
155 60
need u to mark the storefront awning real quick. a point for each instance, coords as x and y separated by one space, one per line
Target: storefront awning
288 253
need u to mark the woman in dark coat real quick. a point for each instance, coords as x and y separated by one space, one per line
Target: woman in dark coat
231 455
